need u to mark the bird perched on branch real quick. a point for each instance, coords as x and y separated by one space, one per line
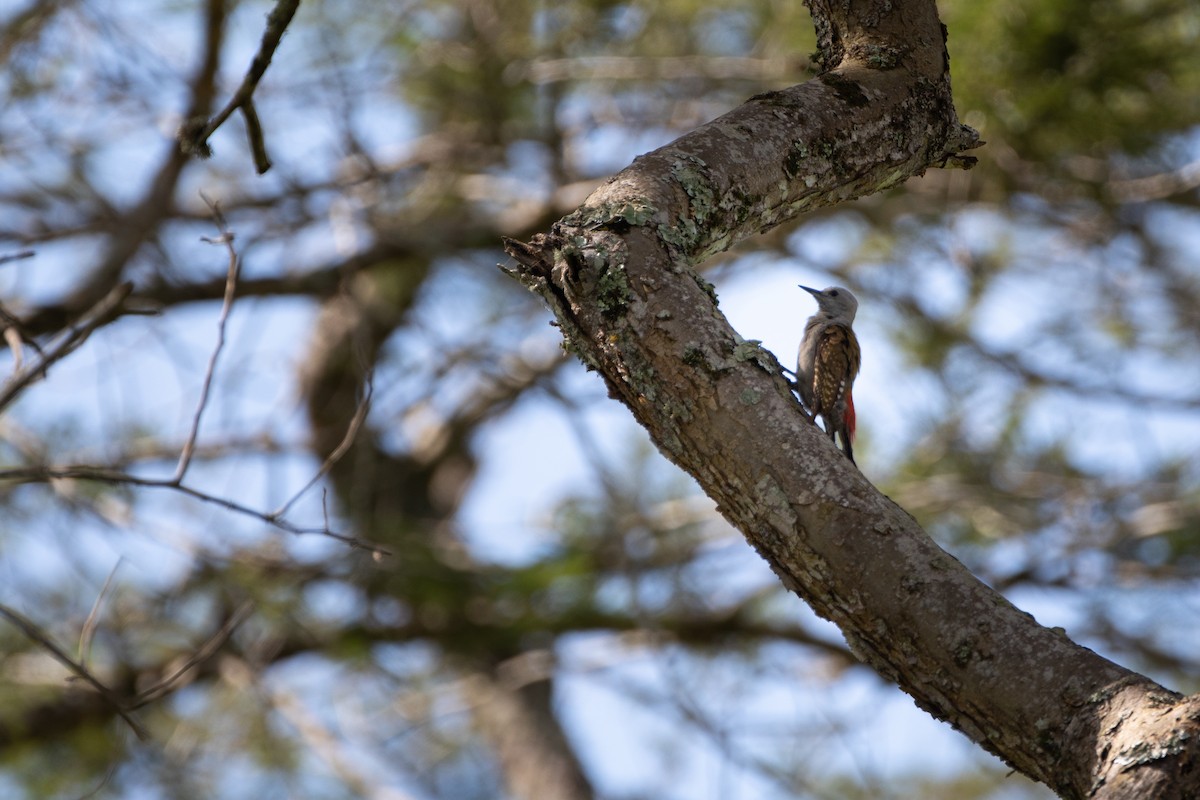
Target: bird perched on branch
828 363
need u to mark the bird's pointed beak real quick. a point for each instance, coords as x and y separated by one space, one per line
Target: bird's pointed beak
809 289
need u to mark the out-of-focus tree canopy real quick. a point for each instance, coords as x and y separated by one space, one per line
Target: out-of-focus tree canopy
493 585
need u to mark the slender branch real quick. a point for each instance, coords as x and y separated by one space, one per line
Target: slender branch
258 144
360 415
101 314
172 681
226 238
35 634
43 474
12 337
89 625
1156 187
7 257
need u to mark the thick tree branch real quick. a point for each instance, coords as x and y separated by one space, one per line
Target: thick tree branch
617 275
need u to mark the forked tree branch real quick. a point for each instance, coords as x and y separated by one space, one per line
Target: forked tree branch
193 137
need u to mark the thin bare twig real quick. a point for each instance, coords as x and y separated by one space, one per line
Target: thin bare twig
169 683
360 415
35 634
84 472
7 257
15 335
193 138
12 337
254 132
225 238
89 625
101 314
1156 187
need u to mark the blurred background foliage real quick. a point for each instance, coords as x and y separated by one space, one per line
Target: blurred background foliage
561 613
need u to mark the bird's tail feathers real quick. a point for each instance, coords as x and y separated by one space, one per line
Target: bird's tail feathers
849 417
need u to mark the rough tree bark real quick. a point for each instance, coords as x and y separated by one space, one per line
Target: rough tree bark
617 274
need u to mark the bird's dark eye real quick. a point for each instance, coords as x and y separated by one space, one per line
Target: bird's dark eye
833 293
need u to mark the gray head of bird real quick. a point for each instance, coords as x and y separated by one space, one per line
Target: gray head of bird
836 301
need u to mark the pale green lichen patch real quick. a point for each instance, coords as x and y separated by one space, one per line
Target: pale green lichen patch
881 57
750 396
753 351
708 288
1147 752
737 205
614 215
963 653
693 355
632 213
678 411
682 236
612 292
716 245
636 213
774 504
692 175
642 378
